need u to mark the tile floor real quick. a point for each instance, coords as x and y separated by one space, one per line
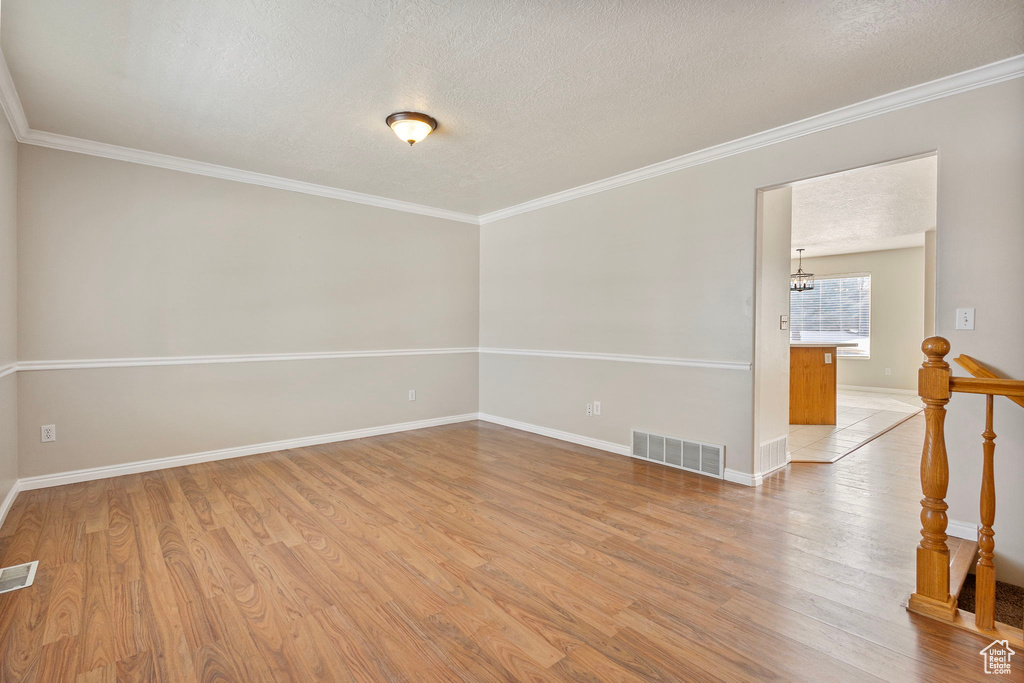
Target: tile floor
860 415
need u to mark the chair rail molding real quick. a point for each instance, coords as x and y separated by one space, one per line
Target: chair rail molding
622 358
90 363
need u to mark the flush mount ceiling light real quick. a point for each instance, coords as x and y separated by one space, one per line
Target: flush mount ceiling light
801 281
411 126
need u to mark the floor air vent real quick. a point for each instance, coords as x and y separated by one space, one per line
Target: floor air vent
18 576
693 456
773 455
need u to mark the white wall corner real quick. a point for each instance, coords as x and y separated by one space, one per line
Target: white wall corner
609 446
8 501
8 369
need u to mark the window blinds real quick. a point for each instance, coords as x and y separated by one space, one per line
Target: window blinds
837 310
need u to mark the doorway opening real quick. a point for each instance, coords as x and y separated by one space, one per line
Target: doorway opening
840 323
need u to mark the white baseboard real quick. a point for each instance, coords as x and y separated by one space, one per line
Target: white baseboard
965 530
617 448
776 468
744 478
5 506
558 434
61 478
108 471
877 390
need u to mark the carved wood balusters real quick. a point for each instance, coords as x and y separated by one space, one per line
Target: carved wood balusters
933 597
985 586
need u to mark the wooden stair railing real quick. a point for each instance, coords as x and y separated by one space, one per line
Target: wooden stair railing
932 597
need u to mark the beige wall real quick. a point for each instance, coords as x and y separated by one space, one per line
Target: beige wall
897 314
647 269
120 260
666 267
929 285
771 365
656 398
8 307
112 416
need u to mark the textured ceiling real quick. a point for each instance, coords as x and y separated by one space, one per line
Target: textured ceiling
532 96
881 207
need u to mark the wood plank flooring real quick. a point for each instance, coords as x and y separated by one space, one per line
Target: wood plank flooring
473 552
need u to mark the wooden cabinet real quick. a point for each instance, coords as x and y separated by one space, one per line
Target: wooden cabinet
812 385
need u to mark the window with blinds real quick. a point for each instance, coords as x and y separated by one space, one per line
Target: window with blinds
838 310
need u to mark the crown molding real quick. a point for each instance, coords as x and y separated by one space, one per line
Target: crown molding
990 74
10 103
138 156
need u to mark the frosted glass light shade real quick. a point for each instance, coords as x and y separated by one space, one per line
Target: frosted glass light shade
411 126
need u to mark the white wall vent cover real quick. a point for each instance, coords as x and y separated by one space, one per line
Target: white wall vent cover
18 576
774 454
692 456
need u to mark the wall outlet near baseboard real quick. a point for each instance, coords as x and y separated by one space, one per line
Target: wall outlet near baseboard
590 409
412 394
48 433
888 371
597 407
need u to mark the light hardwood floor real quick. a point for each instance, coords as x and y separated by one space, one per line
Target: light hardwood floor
479 553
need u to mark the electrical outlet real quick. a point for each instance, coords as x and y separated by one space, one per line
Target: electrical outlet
597 407
48 433
783 322
828 358
412 394
590 409
888 371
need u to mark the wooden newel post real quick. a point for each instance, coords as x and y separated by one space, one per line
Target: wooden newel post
932 595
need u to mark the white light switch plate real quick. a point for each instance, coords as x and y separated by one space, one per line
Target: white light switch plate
828 358
965 318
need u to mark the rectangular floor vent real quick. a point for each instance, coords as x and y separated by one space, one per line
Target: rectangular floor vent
18 576
773 455
693 456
